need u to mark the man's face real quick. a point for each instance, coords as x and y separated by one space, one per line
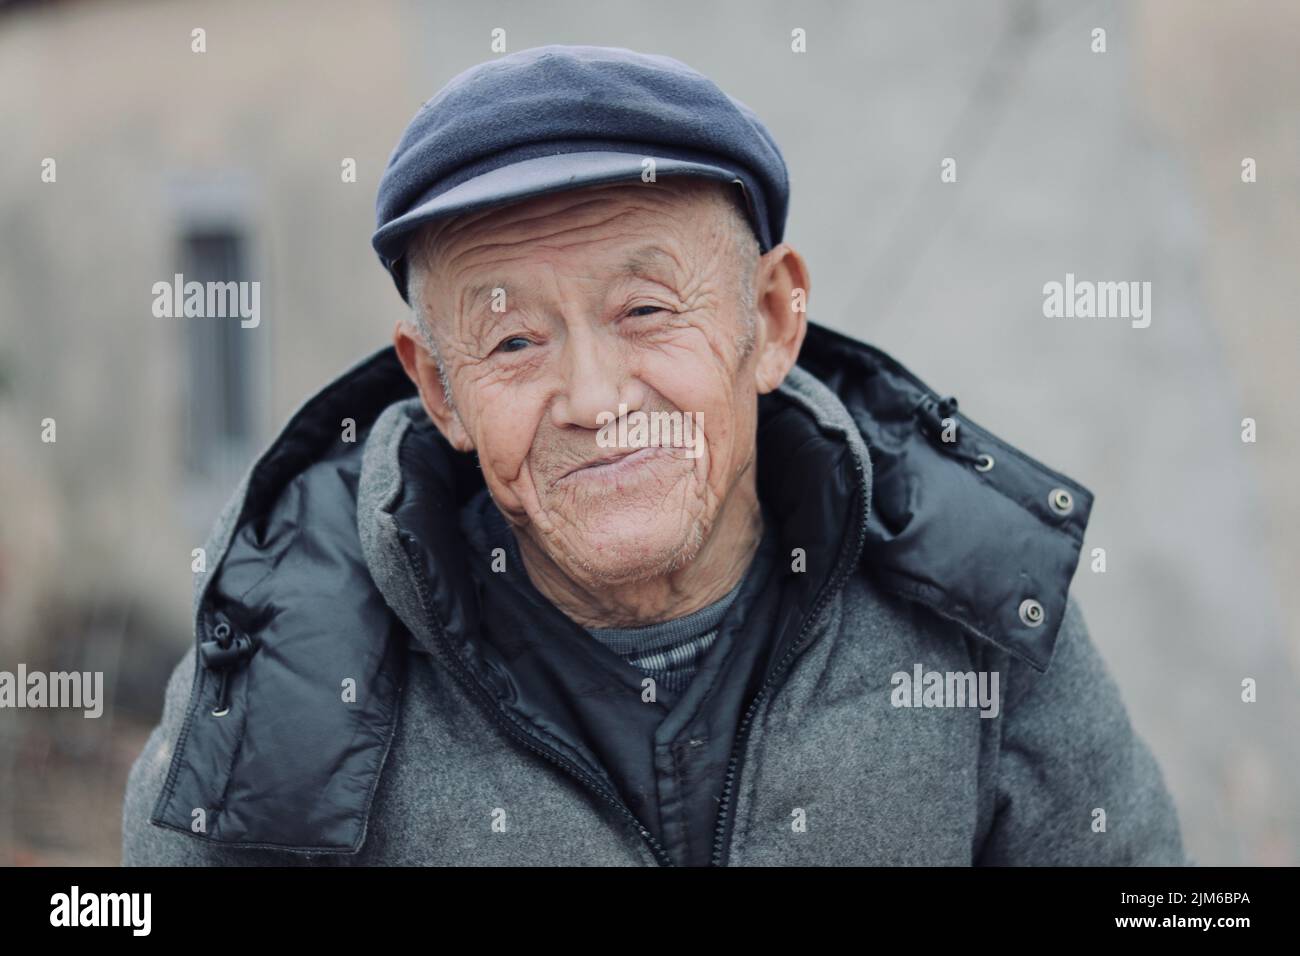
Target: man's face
628 295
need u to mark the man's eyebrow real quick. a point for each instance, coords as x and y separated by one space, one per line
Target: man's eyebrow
476 295
641 262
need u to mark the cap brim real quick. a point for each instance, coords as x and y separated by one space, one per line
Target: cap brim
534 177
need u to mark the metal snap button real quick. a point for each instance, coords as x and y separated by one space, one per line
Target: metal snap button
1061 501
1031 612
985 463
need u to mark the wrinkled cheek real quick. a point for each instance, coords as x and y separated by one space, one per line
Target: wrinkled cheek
503 448
719 452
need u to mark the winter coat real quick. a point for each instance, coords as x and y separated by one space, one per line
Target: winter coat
343 703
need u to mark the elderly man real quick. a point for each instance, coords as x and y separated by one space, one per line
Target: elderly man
482 613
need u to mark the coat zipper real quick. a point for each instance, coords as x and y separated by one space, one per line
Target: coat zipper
521 737
721 840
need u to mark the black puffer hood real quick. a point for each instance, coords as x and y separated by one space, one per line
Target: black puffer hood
291 617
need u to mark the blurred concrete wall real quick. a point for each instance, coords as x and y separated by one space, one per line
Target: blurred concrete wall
1123 165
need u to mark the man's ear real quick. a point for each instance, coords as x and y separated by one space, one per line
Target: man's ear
423 371
780 296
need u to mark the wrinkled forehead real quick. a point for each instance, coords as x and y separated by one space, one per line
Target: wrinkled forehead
609 224
634 262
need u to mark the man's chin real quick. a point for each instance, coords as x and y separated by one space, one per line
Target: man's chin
628 557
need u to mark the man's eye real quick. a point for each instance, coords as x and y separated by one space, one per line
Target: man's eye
513 344
645 310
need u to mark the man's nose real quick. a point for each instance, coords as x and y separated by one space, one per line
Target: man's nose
595 380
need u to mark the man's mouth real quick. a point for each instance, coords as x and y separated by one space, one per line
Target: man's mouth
615 465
